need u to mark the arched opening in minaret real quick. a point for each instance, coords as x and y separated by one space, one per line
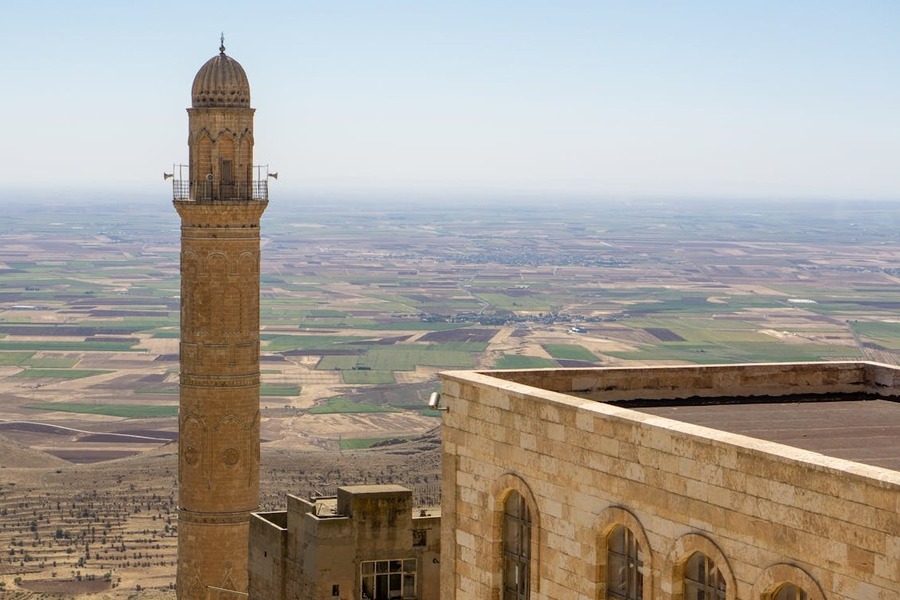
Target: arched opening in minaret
225 148
201 168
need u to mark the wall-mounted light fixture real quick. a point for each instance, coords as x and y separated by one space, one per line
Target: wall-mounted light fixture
434 402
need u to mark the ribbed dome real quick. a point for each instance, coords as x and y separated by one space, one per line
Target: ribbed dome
221 82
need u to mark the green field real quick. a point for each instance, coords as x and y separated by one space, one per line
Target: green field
884 334
570 352
43 345
167 335
326 313
341 405
346 323
703 329
135 324
130 411
282 343
665 301
60 373
357 377
337 363
514 361
857 306
407 357
402 357
14 358
748 352
542 303
413 326
51 363
278 390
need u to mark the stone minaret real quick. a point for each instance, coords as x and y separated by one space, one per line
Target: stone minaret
218 447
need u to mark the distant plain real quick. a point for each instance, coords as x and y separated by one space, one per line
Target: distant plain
362 305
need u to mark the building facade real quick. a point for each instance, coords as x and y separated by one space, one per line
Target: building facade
600 483
368 543
220 208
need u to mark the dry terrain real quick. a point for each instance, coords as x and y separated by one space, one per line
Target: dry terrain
112 526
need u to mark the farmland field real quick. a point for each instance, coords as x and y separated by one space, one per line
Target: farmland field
58 373
523 362
279 390
356 377
363 304
569 352
886 335
341 405
354 298
127 411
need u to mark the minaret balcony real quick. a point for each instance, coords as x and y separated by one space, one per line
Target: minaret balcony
183 189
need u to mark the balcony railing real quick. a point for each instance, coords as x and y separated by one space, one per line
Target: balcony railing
209 190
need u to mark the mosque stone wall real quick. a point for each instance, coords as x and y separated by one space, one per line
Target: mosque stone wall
765 513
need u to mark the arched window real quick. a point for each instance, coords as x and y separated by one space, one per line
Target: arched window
782 581
702 579
624 565
516 547
789 591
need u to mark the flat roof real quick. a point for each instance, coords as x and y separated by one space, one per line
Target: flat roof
859 429
846 410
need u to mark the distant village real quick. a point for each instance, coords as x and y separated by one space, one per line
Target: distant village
550 318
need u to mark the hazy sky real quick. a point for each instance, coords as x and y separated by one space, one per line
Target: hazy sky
779 99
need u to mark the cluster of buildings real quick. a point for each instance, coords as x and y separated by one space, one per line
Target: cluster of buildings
762 482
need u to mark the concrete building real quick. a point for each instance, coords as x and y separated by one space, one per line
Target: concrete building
367 543
750 482
220 207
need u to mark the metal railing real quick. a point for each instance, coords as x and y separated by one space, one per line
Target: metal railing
183 189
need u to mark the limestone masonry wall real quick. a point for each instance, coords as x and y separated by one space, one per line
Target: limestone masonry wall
315 549
268 535
766 513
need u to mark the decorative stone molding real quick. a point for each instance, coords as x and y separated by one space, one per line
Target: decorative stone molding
205 518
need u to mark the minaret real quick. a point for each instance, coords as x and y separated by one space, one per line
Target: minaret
218 422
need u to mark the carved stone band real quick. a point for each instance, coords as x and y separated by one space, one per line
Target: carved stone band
205 518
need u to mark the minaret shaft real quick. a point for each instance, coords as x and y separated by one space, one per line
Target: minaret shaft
218 446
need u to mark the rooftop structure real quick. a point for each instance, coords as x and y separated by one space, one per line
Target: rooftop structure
366 543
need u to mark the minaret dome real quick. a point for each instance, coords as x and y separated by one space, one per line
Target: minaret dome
221 83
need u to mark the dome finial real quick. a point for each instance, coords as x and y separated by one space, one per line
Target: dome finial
222 42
